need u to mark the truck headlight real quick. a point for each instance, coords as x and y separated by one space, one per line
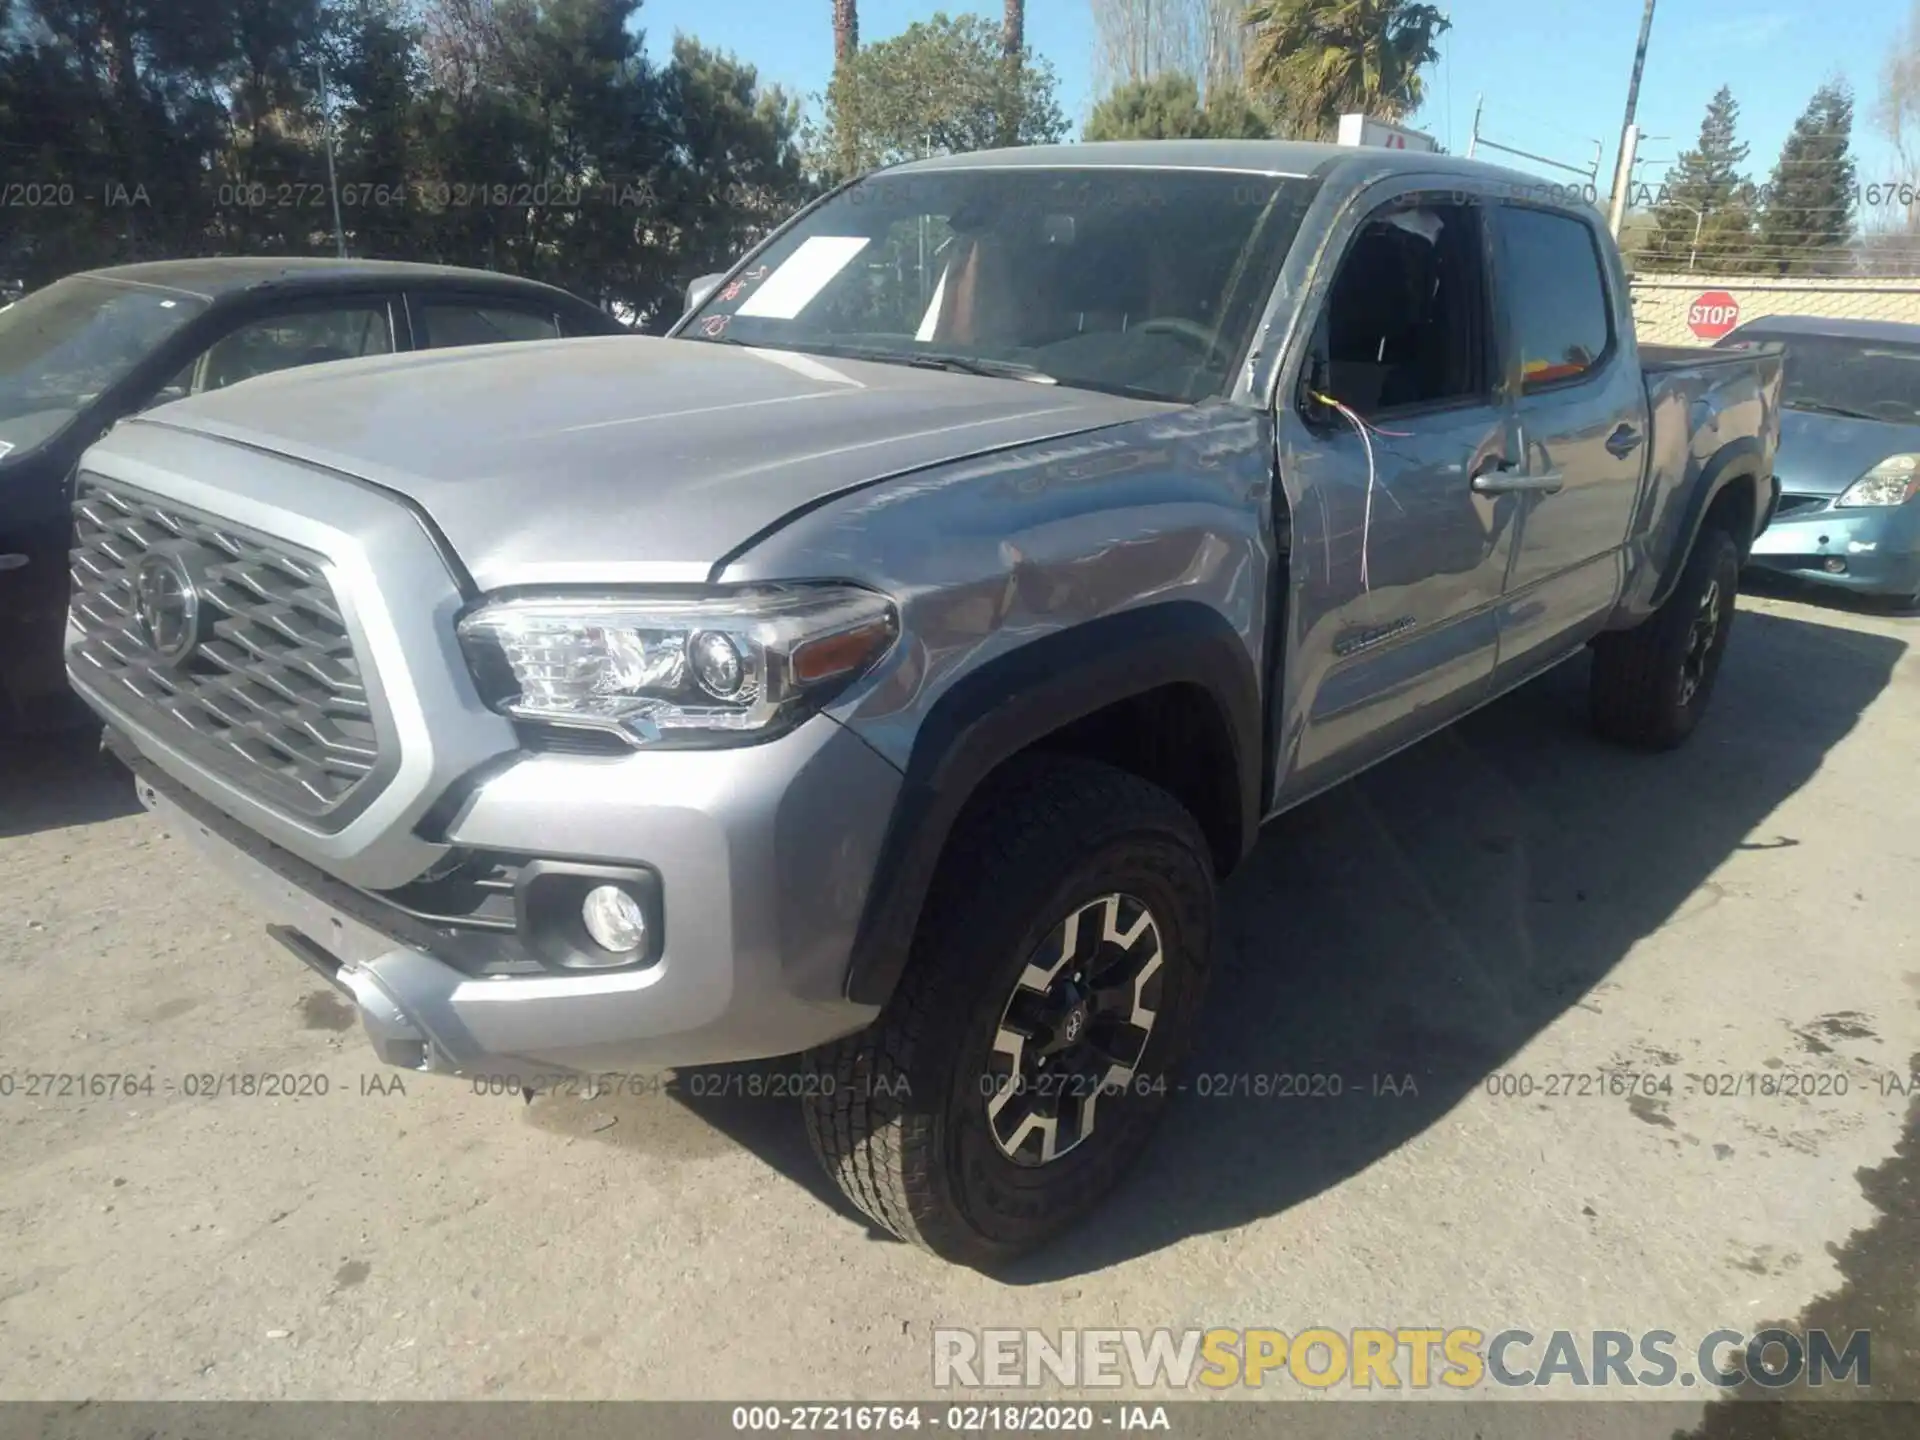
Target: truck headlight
689 670
1892 482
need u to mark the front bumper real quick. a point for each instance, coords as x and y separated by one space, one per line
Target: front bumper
1872 550
763 854
327 612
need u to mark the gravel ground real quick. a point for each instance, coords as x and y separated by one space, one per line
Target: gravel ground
1509 901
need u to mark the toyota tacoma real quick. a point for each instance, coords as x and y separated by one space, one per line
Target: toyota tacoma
886 667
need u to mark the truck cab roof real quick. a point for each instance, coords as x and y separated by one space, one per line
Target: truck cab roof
217 278
1264 157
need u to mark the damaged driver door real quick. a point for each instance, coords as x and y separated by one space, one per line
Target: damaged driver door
1398 560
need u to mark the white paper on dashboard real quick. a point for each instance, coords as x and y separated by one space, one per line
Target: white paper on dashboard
786 292
929 330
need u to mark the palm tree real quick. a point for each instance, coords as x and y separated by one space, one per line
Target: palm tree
1013 44
1316 60
846 30
846 41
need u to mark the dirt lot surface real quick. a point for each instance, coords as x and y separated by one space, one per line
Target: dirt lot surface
1509 902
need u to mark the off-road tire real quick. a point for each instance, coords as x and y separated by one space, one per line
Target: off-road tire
1639 693
897 1113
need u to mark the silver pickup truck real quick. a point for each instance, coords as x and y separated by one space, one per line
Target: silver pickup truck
886 668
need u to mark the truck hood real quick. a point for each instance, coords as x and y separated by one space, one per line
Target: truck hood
1824 454
626 458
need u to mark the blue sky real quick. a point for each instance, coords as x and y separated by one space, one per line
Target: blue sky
1554 74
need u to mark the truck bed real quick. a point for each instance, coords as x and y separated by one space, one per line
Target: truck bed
1672 357
1703 407
1713 383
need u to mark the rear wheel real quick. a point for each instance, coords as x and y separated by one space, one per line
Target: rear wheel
1021 1065
1651 684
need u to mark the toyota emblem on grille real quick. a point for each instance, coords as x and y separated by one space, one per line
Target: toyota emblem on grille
166 606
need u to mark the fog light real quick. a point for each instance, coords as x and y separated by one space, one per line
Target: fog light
1834 565
614 919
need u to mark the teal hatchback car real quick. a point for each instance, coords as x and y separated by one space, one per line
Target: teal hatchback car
1849 461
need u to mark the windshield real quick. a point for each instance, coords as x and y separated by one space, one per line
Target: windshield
61 346
1875 379
1143 282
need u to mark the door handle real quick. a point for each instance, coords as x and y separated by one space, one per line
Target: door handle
1503 477
1623 442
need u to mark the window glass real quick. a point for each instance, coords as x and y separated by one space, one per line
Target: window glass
281 342
1556 294
1145 282
1839 375
445 323
1406 322
61 347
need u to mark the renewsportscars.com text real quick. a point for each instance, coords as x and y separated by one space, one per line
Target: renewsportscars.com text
1402 1358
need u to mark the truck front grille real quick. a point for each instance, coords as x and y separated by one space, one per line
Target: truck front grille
229 645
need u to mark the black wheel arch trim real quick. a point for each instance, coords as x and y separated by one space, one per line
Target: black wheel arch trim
1741 459
1017 700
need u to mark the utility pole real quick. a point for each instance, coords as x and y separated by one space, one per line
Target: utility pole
1473 136
333 179
1622 187
1622 164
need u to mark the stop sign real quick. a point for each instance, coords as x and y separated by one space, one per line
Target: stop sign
1713 314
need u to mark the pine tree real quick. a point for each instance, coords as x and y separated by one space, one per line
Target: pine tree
1806 223
1168 107
1706 195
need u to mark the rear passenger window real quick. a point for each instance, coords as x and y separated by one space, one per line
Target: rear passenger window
1555 290
445 323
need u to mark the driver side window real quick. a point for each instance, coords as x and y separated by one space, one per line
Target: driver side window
1406 325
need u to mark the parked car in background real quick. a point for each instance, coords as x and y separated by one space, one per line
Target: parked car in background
1849 462
86 351
894 664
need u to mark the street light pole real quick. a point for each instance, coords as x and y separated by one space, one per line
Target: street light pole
333 180
1699 219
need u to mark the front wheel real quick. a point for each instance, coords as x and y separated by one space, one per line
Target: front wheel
1651 684
1019 1068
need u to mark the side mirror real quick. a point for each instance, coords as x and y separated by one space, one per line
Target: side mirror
700 289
